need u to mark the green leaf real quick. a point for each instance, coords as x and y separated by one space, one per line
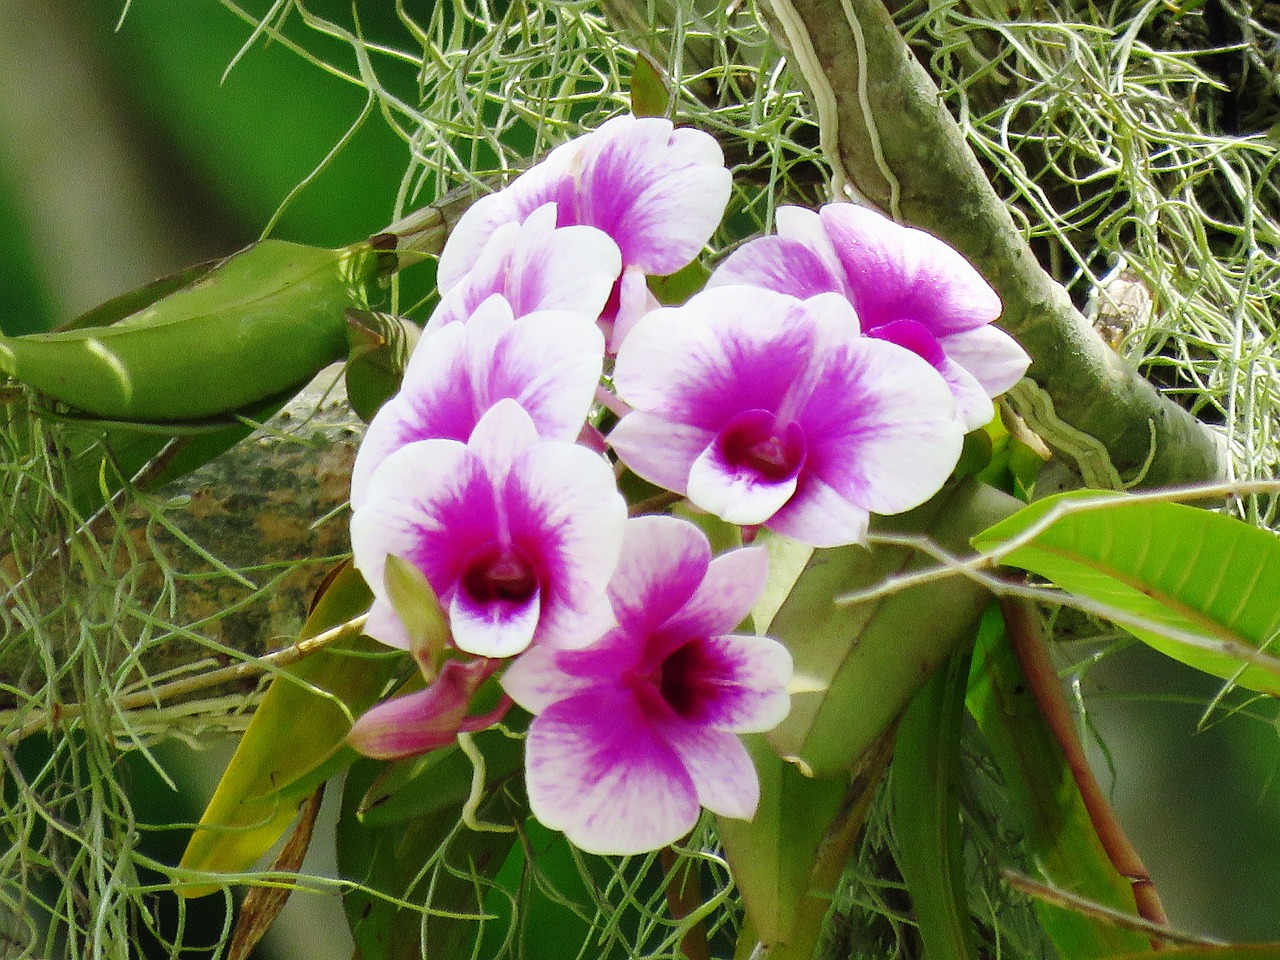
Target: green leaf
651 94
423 884
774 854
294 740
1058 837
925 814
857 665
379 345
1166 569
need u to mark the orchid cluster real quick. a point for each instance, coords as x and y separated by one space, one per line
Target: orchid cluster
824 374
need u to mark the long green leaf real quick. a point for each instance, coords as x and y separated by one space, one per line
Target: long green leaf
926 812
1235 951
858 665
294 740
1166 569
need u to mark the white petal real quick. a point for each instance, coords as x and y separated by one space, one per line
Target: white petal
598 770
659 450
721 769
990 354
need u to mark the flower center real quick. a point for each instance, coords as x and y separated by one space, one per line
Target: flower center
752 440
683 681
499 572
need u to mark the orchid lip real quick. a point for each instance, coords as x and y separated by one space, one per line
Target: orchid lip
752 441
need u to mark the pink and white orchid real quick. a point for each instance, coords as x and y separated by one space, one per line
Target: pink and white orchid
549 361
638 729
908 287
535 266
517 536
765 409
657 191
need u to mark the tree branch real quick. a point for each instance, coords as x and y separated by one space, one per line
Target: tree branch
891 141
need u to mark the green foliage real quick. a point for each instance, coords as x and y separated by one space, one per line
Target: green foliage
1196 585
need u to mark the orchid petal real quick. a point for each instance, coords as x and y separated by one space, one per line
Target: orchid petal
992 356
725 597
562 505
659 450
535 680
735 494
495 629
728 349
729 682
405 726
385 625
662 564
720 767
659 193
781 264
821 517
881 426
430 503
598 770
901 273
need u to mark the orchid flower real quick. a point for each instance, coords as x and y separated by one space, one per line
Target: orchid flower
908 287
638 729
765 409
549 361
535 266
658 192
515 535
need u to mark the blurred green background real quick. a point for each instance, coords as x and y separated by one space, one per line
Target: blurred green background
128 151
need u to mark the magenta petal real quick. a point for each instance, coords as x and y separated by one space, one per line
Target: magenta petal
781 264
405 726
424 408
821 517
598 770
659 450
659 192
421 721
900 273
728 349
429 503
720 767
881 426
728 592
729 682
564 511
535 679
663 561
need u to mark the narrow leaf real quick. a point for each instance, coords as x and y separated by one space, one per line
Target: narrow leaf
926 812
1172 573
294 740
